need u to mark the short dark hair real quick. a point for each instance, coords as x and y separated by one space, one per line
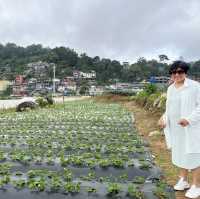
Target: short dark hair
179 64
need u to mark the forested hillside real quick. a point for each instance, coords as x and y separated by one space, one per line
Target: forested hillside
13 60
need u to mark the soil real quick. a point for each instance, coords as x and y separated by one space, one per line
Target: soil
125 175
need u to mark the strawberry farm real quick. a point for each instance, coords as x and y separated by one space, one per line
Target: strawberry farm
80 149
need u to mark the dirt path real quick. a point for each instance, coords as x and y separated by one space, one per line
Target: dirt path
146 122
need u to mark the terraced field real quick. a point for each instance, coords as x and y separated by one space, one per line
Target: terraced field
79 149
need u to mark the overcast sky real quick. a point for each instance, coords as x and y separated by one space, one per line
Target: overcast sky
118 29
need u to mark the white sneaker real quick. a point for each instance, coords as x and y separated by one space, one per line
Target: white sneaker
181 185
193 192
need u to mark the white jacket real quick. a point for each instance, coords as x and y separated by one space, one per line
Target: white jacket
190 110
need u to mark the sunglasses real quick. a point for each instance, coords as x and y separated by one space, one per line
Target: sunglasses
179 72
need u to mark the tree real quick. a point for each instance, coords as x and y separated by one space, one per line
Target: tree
163 58
7 91
141 61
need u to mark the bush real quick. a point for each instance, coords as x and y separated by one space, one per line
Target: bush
7 91
84 90
41 102
162 102
141 98
150 89
150 102
151 98
49 99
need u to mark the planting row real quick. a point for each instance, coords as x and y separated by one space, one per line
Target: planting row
76 147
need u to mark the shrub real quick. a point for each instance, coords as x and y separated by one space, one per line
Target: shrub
151 98
49 99
150 89
41 102
84 90
141 98
162 102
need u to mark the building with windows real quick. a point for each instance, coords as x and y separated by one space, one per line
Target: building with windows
82 75
19 86
159 79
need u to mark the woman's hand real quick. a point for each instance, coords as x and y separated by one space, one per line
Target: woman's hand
183 122
161 123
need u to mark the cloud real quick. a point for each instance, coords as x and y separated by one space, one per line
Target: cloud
117 29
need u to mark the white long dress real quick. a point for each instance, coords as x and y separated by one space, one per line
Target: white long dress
179 156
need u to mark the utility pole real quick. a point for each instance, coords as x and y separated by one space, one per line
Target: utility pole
54 77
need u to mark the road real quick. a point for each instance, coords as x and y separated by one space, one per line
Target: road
12 103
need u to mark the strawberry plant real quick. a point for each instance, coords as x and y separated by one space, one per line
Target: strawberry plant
134 192
70 187
113 189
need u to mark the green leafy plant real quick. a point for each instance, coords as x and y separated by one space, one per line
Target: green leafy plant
70 187
144 165
116 162
91 163
6 179
104 163
130 163
67 175
150 89
64 161
134 192
38 160
32 173
50 161
123 176
91 190
19 183
160 190
77 160
138 180
41 102
2 157
37 185
5 168
18 173
113 188
55 184
26 159
89 177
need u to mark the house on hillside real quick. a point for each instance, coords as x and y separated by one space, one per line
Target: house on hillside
159 79
19 86
82 75
69 83
90 77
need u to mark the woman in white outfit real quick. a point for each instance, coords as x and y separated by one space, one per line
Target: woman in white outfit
181 123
